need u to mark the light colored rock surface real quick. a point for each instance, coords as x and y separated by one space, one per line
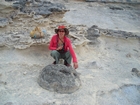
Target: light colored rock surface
115 1
104 16
105 65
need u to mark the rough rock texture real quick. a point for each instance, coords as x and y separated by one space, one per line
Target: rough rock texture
92 34
115 1
122 95
95 31
59 78
107 76
38 7
136 72
29 7
3 22
19 17
16 24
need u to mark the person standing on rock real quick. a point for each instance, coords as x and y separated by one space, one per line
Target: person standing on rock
61 47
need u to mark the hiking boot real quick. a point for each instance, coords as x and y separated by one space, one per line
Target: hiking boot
54 62
66 64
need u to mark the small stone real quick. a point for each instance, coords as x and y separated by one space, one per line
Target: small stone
61 61
136 71
9 103
25 73
128 55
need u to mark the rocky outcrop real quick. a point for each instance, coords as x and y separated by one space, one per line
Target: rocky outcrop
19 17
115 1
94 32
59 78
38 7
107 76
31 8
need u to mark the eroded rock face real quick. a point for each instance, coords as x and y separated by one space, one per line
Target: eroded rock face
11 9
59 78
19 17
115 1
92 34
120 96
38 7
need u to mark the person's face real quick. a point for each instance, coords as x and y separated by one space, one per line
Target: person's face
61 32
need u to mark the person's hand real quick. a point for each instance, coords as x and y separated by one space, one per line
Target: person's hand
59 48
75 65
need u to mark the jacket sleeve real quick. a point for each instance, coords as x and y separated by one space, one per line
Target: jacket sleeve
52 45
72 51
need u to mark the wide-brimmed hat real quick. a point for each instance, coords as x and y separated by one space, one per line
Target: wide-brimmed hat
62 27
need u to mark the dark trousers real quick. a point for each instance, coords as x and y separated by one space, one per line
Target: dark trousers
66 56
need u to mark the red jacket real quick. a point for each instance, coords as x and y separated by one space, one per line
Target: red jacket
68 46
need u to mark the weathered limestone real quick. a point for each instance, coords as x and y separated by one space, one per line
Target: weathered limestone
3 22
122 95
38 8
92 34
19 17
9 9
115 1
31 13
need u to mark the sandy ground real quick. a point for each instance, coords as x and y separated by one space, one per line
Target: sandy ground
105 68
